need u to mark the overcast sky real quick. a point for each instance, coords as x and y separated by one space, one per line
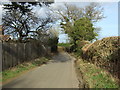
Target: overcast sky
109 25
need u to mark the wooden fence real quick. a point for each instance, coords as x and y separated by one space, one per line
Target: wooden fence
16 53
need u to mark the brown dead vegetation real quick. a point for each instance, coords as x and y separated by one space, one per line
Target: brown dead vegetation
104 53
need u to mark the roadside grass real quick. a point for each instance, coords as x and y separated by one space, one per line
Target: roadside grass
94 76
15 71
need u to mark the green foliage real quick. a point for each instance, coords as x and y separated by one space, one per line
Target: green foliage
83 30
53 40
78 22
64 44
78 51
53 43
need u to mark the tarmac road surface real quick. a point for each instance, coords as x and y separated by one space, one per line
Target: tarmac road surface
58 73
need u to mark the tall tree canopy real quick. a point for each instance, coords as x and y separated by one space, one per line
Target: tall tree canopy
94 12
83 30
78 22
69 13
20 21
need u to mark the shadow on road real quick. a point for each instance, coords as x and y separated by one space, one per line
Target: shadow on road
61 57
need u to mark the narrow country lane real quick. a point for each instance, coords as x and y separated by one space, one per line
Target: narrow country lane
58 73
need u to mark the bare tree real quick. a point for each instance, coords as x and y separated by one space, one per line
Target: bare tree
69 13
20 21
17 24
94 12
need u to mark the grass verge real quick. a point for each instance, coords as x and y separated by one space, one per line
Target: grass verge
15 71
94 76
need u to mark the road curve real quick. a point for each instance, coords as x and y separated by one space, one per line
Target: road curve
58 73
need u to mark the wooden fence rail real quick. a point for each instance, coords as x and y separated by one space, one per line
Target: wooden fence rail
16 53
